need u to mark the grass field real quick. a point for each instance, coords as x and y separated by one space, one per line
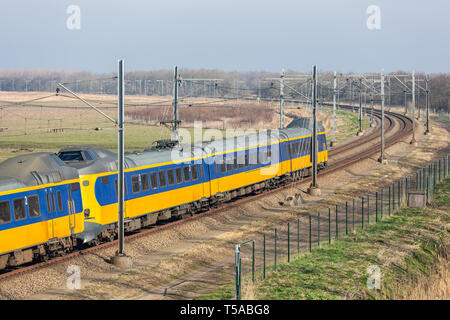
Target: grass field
410 248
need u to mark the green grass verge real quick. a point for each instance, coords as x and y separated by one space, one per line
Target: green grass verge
404 247
347 128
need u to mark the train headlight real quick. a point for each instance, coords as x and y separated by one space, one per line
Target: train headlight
87 212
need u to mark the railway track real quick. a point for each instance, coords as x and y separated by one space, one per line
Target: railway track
405 128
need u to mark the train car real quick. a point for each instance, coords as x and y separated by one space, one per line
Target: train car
41 209
156 188
170 182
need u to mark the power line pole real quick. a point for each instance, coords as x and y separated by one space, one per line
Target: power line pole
360 132
427 99
382 158
259 90
175 106
314 188
406 105
282 99
333 140
389 85
413 98
121 259
372 124
121 155
418 101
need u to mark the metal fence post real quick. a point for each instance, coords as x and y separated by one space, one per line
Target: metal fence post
253 261
393 198
329 225
368 209
264 253
275 263
298 237
310 239
417 180
353 215
376 206
389 202
346 217
434 176
289 242
382 203
337 223
237 272
362 212
318 229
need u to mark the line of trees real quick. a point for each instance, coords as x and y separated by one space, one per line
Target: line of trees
232 84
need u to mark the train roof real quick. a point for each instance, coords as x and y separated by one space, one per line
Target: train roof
182 152
91 159
306 123
8 183
34 169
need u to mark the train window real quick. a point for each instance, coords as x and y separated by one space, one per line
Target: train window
261 156
125 183
19 209
67 156
241 161
194 172
49 208
33 206
135 187
171 177
217 165
162 179
202 171
53 202
75 186
144 181
187 175
59 200
269 153
5 212
229 164
179 175
246 160
153 181
105 180
235 164
87 156
223 167
255 157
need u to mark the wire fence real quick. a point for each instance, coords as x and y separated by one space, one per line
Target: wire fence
255 259
443 114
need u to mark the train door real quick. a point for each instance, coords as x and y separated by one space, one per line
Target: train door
51 210
206 175
71 208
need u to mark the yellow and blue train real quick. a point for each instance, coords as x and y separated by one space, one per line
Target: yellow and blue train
49 203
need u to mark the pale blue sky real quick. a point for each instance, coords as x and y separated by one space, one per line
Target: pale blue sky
230 35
